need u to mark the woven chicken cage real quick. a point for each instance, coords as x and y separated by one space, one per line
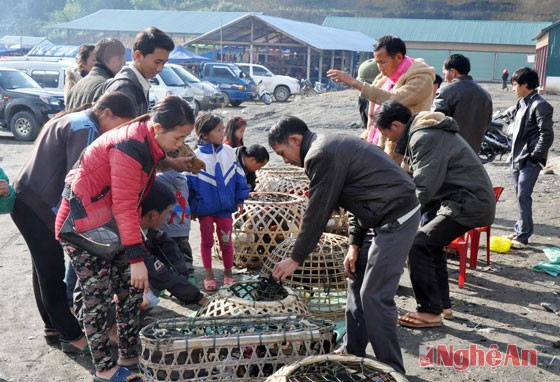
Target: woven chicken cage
229 348
336 368
298 184
253 297
280 171
267 220
320 281
288 184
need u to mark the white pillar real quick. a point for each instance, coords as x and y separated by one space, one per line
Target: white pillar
321 66
309 64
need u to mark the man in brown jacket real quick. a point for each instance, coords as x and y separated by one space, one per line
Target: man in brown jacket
402 78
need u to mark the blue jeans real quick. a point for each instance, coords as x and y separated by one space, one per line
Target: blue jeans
524 179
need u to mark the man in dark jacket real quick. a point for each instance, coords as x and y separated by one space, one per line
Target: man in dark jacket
447 173
109 59
150 52
348 172
464 100
532 138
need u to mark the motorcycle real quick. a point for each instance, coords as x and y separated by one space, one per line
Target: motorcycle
264 95
497 141
304 86
329 86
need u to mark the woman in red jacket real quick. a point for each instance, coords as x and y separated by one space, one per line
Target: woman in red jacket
114 174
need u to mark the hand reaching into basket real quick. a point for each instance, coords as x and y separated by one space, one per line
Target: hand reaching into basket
284 269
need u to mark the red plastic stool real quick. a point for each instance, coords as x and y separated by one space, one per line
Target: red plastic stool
476 233
461 245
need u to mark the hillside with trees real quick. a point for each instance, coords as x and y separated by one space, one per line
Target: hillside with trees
30 17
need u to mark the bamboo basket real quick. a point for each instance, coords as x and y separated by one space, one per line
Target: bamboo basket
280 171
320 281
251 298
267 220
229 348
336 368
294 183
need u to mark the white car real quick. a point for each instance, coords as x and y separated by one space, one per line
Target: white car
168 83
281 86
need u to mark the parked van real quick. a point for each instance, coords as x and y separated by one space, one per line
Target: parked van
168 83
281 86
50 73
236 86
207 96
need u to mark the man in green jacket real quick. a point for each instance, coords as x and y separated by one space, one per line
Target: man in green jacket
448 174
7 194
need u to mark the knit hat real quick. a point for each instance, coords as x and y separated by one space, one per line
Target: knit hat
367 71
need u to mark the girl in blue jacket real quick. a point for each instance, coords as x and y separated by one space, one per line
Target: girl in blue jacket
215 194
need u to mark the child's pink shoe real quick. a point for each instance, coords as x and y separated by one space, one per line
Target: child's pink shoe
210 285
228 280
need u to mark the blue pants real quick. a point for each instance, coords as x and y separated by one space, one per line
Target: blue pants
524 179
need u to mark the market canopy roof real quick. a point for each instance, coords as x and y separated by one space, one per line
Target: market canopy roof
275 31
50 50
182 54
436 30
172 22
24 41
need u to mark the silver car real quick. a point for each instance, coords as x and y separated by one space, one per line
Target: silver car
206 95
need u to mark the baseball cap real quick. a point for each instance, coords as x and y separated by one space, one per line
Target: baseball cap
367 71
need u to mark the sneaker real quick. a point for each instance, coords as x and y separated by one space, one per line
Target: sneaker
516 244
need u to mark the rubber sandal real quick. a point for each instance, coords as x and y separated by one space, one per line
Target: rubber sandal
228 280
410 321
447 315
210 285
121 375
68 348
135 369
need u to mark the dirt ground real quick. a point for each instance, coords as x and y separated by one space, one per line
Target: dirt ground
499 305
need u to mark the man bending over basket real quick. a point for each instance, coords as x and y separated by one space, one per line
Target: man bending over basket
349 172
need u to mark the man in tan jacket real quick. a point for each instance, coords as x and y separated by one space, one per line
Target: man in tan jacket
402 78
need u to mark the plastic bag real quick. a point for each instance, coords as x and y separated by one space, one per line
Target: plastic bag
499 244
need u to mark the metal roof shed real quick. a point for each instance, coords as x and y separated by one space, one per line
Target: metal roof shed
127 21
257 32
490 45
24 41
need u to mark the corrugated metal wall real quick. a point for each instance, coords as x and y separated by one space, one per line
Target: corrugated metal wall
485 66
553 62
